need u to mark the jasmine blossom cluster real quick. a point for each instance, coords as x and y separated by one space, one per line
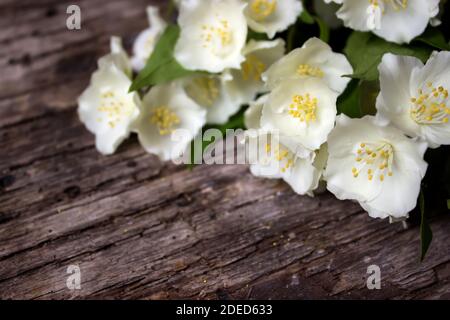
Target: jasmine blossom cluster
294 132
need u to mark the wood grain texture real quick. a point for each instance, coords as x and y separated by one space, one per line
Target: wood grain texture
140 228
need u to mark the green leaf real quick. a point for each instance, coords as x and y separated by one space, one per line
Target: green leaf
163 51
448 204
291 38
253 35
426 235
324 30
365 50
348 102
434 38
161 67
369 94
171 7
306 17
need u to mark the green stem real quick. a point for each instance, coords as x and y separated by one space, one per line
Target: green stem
170 9
291 38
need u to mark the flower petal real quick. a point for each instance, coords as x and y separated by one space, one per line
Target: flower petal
217 94
272 16
213 34
166 109
385 177
354 14
146 40
308 120
259 56
118 56
252 116
401 25
314 59
107 108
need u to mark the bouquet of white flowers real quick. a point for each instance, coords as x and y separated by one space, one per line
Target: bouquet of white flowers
354 111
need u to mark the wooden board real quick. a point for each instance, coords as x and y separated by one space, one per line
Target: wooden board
140 228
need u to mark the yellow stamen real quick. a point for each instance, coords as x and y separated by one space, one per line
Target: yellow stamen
164 119
261 9
204 90
377 158
430 106
303 107
307 70
114 108
252 68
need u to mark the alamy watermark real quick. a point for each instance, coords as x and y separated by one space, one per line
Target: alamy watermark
234 147
73 21
73 281
374 279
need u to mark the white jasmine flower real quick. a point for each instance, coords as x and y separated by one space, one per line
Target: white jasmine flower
415 97
272 16
107 108
259 56
302 109
213 34
279 157
222 95
165 109
117 56
252 116
146 40
216 93
315 59
394 20
376 165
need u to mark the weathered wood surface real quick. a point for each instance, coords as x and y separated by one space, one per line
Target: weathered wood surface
139 228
